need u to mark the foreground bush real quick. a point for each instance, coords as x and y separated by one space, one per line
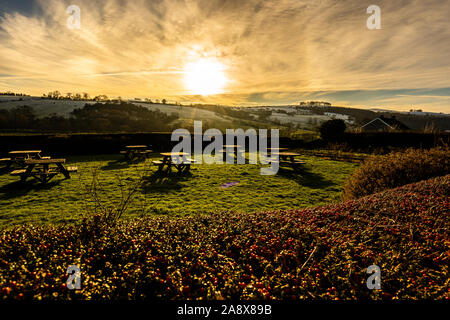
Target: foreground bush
384 172
319 253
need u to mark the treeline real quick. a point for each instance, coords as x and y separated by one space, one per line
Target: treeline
10 93
83 96
99 117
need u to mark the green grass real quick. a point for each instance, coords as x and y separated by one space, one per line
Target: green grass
62 201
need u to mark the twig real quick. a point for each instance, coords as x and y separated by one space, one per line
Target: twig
301 268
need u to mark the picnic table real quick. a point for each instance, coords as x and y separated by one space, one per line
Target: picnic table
43 170
288 158
288 155
275 150
231 149
140 152
19 156
178 160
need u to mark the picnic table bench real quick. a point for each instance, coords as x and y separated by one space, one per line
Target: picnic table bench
139 152
40 169
289 159
232 150
178 160
276 150
18 157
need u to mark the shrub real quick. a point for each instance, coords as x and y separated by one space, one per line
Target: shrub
383 172
317 253
332 130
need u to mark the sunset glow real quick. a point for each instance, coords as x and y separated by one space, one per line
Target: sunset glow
205 77
231 52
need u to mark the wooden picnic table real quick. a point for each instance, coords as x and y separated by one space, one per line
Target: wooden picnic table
41 169
25 153
288 159
288 155
136 152
232 149
178 160
19 156
277 149
230 146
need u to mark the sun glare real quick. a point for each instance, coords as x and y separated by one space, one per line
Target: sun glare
205 77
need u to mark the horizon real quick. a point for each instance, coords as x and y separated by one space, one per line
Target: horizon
155 100
230 53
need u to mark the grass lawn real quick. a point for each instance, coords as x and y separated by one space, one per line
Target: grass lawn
200 191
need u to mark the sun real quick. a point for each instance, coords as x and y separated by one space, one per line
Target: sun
205 76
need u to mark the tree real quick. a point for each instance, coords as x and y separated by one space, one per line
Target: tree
54 94
101 97
164 101
332 130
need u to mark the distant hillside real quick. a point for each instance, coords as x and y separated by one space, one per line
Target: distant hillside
42 107
290 117
414 120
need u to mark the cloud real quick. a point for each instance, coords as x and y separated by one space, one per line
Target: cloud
273 49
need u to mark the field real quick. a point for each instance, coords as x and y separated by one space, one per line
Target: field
62 201
186 114
42 107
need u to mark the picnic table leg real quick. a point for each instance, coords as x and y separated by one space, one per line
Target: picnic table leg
63 170
49 177
27 173
129 155
232 156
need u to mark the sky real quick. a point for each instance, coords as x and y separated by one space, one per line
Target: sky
270 52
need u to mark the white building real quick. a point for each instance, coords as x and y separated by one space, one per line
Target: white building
339 116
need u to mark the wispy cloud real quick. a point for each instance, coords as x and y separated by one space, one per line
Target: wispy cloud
274 50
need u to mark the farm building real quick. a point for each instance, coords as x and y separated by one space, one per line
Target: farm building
384 124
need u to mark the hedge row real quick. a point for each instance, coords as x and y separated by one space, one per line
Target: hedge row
382 172
318 253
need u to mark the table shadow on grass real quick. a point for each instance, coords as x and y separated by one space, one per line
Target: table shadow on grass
305 177
18 189
116 165
5 170
164 182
